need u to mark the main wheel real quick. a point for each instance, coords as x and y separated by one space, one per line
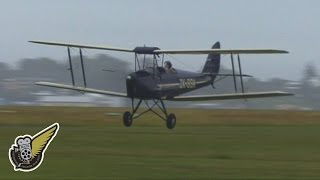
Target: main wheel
171 121
127 119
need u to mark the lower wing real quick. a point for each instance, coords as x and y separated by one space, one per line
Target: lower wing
177 98
82 89
231 96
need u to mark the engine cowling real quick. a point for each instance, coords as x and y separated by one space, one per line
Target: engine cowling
130 86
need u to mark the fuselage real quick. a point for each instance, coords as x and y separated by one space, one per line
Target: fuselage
151 83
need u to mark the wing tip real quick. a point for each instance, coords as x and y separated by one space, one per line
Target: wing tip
38 82
34 41
285 93
284 51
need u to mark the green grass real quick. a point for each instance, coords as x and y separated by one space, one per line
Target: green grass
206 144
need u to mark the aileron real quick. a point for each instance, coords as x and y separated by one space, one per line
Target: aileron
82 89
224 51
82 46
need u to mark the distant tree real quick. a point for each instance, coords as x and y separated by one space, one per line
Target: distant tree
309 72
4 71
3 66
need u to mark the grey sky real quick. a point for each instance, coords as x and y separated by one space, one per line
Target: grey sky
285 24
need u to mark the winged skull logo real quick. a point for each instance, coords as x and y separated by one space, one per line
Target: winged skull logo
28 151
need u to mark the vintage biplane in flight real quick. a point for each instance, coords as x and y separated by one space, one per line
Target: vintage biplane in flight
159 81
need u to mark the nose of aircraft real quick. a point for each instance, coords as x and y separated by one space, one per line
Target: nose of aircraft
130 81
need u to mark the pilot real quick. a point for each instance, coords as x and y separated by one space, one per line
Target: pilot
168 67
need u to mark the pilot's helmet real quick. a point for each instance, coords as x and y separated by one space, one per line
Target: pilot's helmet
167 64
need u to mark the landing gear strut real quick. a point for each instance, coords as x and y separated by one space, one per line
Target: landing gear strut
129 117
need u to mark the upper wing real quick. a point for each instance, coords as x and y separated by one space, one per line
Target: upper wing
231 96
182 51
82 89
82 46
223 51
42 139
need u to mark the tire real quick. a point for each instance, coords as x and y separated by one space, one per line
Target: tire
127 119
171 121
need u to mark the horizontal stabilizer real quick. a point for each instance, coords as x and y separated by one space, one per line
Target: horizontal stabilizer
82 46
224 74
231 96
82 89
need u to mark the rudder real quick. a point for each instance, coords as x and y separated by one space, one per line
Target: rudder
212 64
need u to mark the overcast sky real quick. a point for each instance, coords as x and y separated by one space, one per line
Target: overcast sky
283 24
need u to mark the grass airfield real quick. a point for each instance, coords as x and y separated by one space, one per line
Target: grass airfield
206 144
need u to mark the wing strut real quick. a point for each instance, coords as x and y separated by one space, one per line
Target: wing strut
70 63
82 67
234 74
240 71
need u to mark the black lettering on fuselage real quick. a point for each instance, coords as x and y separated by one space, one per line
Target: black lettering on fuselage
187 83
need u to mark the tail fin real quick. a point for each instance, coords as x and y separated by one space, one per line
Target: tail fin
212 64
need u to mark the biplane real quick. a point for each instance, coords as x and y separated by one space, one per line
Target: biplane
159 80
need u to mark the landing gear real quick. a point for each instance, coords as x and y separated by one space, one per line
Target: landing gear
169 119
127 119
